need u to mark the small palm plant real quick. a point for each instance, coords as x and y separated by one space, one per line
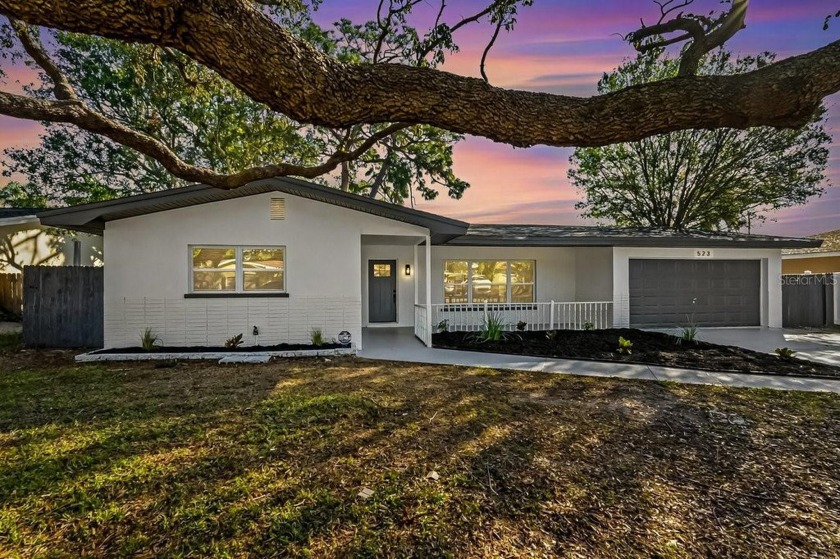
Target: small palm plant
149 340
316 337
234 342
492 329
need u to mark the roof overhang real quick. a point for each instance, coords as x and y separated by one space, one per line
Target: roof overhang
20 222
91 218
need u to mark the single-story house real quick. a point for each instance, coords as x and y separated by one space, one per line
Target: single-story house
824 259
276 258
24 241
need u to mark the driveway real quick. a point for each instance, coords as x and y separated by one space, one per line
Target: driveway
816 345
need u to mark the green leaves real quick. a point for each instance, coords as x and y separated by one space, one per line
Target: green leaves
699 179
208 122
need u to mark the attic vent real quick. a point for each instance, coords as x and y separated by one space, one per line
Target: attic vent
278 208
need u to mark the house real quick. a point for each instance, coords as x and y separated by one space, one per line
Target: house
824 259
24 241
276 258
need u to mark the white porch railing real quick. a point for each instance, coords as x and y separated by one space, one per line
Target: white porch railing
466 317
421 328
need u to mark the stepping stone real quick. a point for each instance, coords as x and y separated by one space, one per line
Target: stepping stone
265 358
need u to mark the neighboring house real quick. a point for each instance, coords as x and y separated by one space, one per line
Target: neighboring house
814 260
25 242
200 264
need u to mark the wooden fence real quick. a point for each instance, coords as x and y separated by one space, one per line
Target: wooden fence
11 293
62 306
808 300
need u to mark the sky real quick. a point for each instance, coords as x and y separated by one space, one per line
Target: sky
564 46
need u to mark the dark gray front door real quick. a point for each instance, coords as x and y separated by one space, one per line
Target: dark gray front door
382 291
671 293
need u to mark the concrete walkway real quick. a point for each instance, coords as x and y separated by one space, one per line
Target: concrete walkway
399 344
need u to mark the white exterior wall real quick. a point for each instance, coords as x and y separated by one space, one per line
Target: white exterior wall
593 274
771 271
403 254
148 272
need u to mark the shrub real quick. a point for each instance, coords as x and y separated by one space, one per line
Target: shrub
784 353
492 329
443 325
688 335
316 337
521 325
234 342
148 340
625 347
551 335
588 326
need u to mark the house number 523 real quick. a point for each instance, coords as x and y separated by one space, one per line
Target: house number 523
703 254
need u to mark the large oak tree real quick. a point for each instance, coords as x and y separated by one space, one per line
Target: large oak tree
243 43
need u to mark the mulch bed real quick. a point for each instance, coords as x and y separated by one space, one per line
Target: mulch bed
220 349
649 348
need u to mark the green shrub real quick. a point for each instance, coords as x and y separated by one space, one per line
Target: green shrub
234 342
521 325
149 340
551 335
625 347
588 326
492 329
688 335
316 337
443 325
784 353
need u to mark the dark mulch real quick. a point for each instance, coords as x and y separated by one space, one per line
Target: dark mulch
649 348
219 349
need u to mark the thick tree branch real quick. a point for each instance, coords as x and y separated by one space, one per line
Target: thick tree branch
706 34
75 112
292 77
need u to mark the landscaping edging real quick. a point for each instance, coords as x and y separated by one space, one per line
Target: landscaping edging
226 356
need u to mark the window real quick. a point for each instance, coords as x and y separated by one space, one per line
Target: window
237 269
382 270
489 281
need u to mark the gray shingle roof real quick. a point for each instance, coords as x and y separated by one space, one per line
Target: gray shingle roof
578 235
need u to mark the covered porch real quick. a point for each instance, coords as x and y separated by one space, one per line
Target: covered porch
410 282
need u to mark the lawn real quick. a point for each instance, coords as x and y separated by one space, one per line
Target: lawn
267 460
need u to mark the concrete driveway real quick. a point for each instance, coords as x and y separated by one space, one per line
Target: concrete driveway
816 345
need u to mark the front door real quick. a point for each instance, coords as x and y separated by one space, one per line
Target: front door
382 291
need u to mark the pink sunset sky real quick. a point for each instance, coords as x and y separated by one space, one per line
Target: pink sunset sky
564 46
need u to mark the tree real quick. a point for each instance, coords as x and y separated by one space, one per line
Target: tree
260 55
699 179
206 121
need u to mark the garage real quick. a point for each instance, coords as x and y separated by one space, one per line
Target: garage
670 293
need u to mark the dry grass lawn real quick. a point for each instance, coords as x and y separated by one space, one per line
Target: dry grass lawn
233 461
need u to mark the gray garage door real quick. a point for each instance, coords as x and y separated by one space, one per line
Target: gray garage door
724 292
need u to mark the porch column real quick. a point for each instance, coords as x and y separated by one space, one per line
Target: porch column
416 282
428 291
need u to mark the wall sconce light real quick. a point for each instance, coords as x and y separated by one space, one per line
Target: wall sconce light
408 269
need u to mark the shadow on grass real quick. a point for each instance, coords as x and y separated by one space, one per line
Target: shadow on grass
266 460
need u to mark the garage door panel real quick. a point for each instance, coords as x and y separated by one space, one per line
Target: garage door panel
668 293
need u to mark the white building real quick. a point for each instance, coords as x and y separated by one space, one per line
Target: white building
282 256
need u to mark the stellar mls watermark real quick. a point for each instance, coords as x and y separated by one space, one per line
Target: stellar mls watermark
808 279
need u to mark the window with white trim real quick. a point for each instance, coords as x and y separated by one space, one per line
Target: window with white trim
237 269
489 281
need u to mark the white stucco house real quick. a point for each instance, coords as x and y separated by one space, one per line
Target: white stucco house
278 257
